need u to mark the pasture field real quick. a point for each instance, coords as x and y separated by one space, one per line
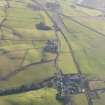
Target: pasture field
22 57
40 97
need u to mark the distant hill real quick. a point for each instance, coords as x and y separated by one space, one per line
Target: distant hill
97 4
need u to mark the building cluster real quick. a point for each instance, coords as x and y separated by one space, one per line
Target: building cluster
51 46
73 84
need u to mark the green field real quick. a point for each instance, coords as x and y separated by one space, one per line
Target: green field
40 97
19 47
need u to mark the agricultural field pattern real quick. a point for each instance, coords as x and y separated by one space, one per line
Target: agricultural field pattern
52 52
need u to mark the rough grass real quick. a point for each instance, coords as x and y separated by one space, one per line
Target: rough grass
65 59
40 97
80 99
14 53
88 47
23 19
101 100
32 74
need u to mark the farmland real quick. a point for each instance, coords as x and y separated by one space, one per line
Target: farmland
29 62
